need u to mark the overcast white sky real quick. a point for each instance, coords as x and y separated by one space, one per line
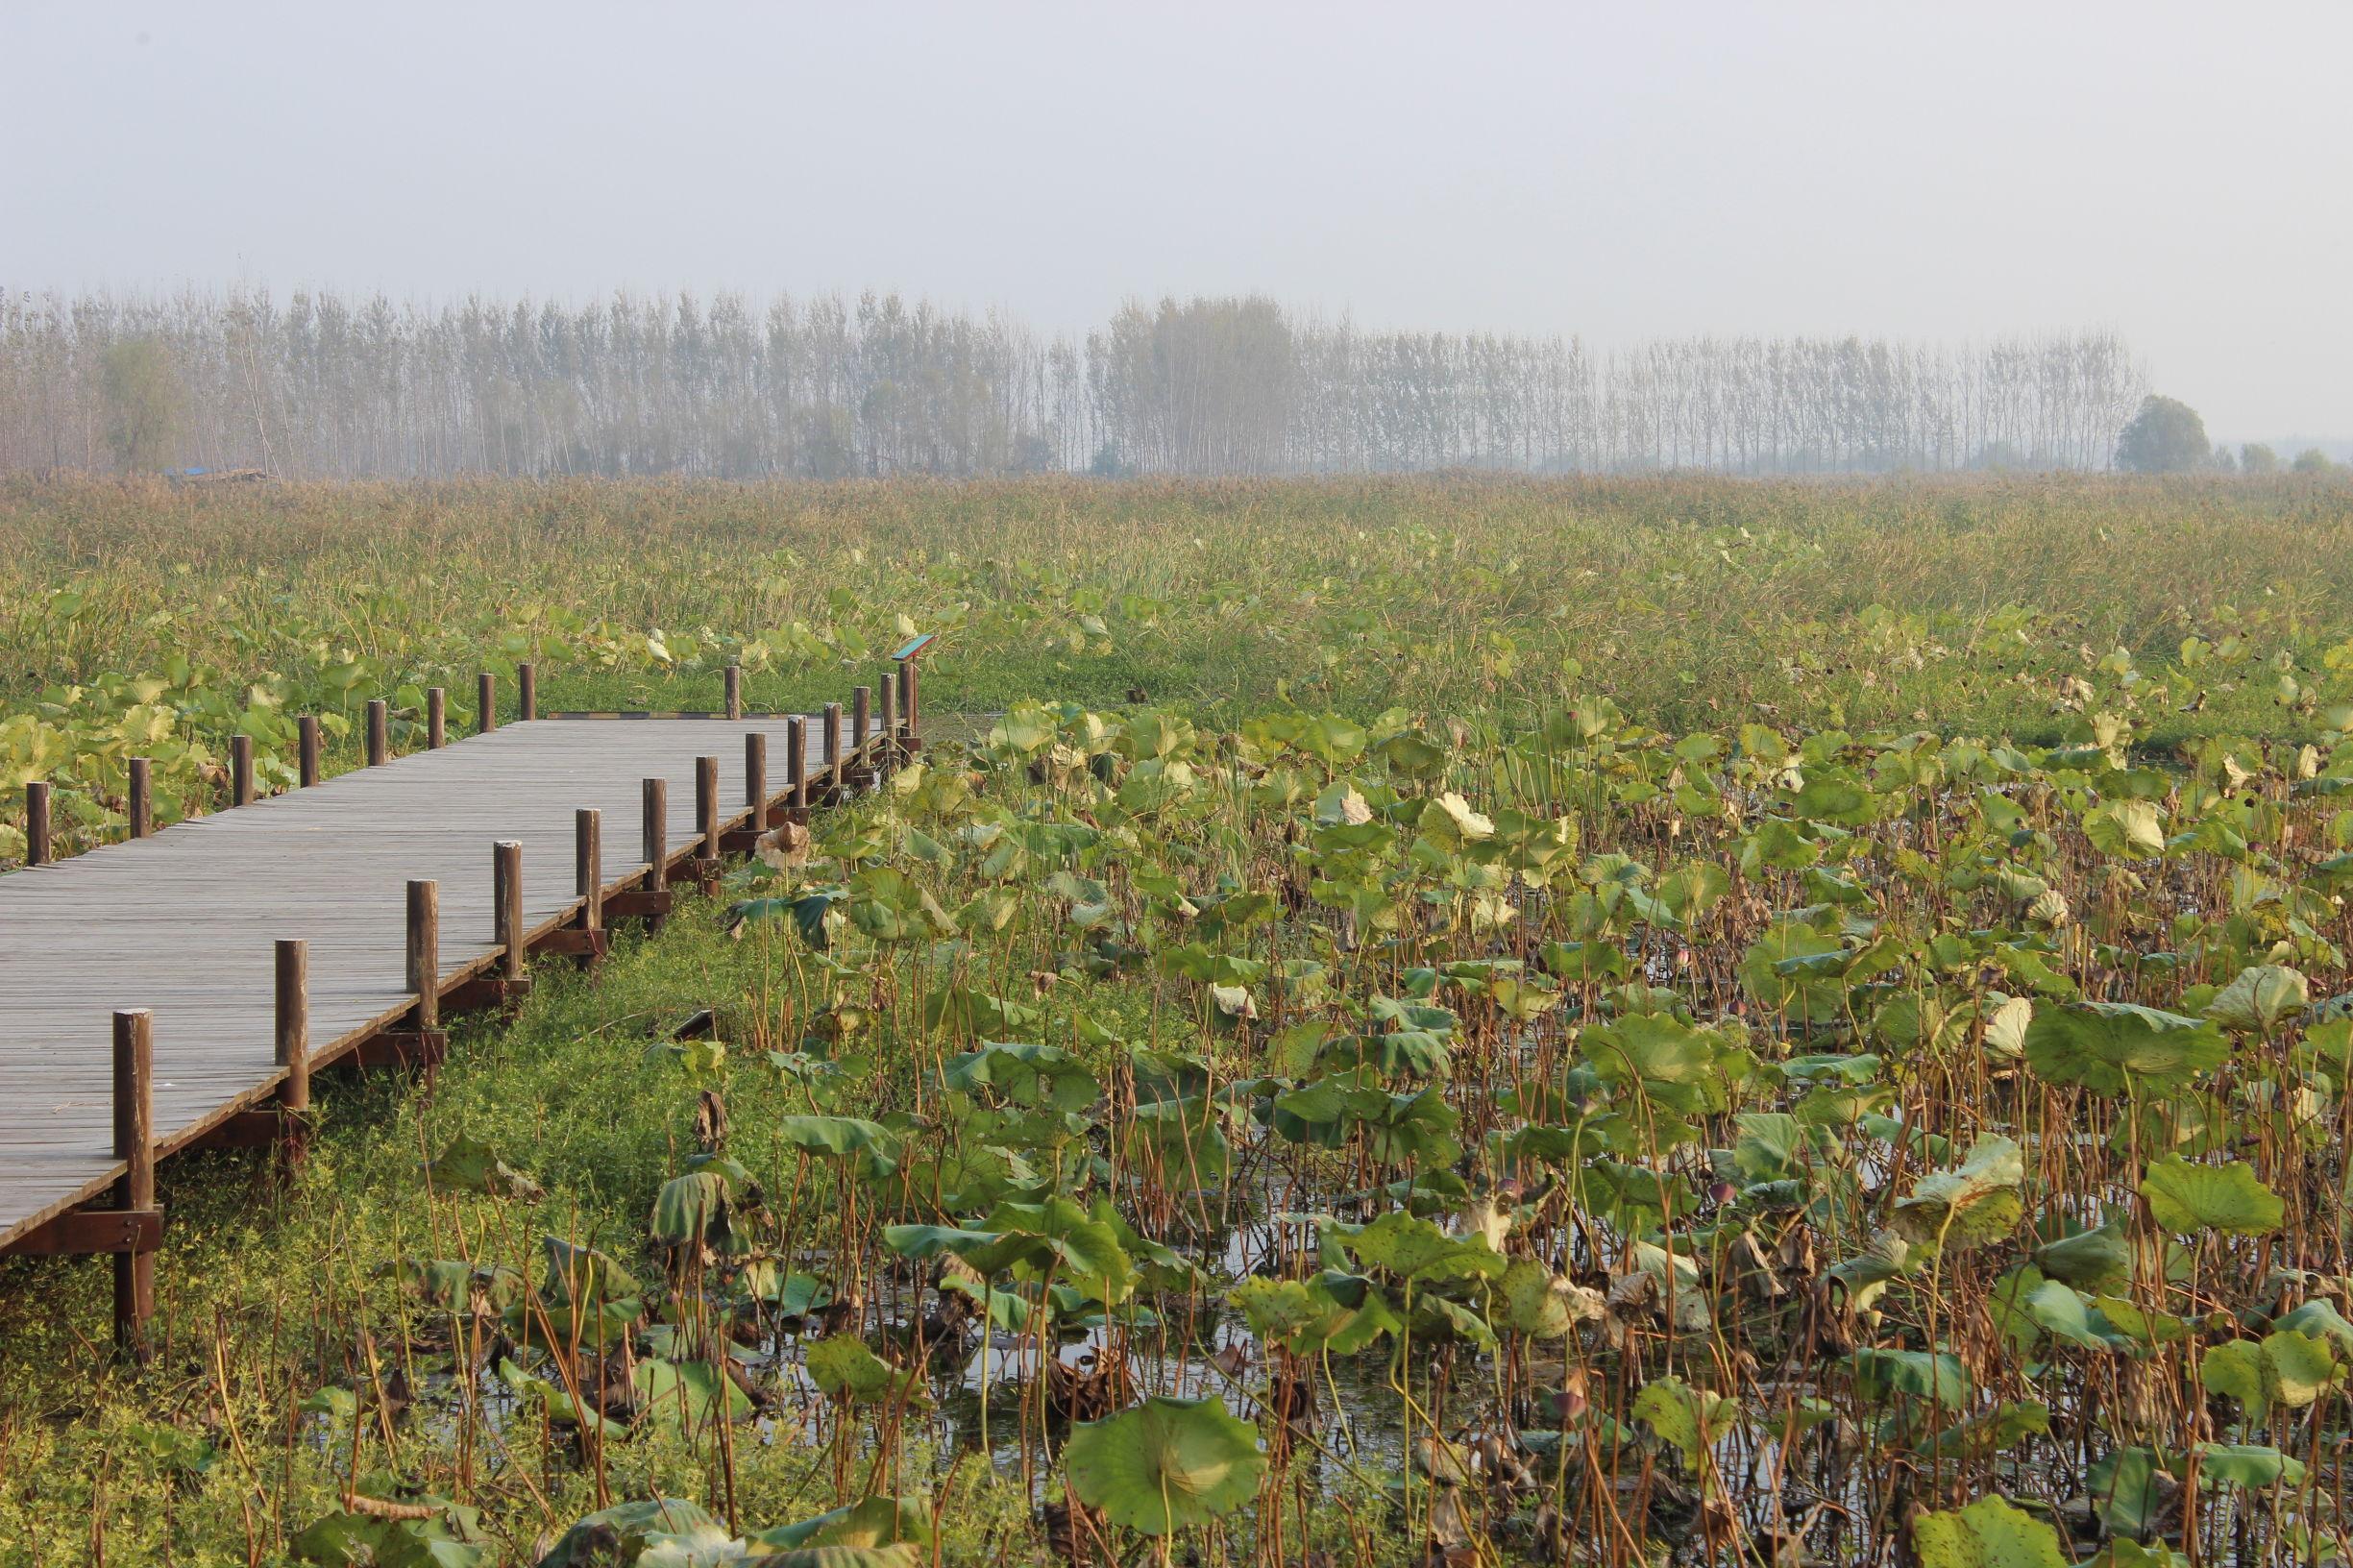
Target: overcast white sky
2182 172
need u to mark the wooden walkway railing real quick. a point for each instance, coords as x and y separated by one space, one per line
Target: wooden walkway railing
177 990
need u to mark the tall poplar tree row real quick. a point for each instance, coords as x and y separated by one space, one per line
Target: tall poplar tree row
827 388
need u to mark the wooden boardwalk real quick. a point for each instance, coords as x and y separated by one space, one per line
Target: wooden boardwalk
184 922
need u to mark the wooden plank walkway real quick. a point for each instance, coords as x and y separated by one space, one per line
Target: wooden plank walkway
184 922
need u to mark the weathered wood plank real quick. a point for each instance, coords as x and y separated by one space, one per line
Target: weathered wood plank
184 922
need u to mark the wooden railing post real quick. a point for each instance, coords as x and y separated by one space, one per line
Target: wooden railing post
141 803
890 715
588 866
240 771
134 1271
436 717
755 780
861 719
527 691
507 908
37 822
424 951
656 793
306 749
292 1020
796 764
485 702
735 691
907 705
833 747
654 833
707 808
379 732
650 897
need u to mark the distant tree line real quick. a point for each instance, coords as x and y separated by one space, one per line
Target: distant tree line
2167 436
323 385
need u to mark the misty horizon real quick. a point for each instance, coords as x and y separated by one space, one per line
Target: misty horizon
1818 171
324 387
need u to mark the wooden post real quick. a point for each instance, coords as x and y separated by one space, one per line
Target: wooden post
424 951
861 719
134 1272
906 702
527 691
735 691
796 764
436 717
506 907
588 866
890 712
37 822
306 748
292 1018
706 805
656 832
142 799
833 746
240 770
485 702
293 1022
379 732
755 779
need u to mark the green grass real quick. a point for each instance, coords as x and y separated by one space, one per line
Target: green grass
143 619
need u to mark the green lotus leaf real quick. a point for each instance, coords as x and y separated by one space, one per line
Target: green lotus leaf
2122 1318
2320 1316
690 1208
584 1274
470 1165
1879 1373
2107 1045
2005 1027
897 1555
2129 1488
2247 1464
1809 999
1416 1250
1082 1248
1689 1420
2234 1368
842 1366
2261 998
1988 1533
2126 830
2186 1196
1026 1074
1988 1432
703 1546
363 1541
619 1533
2298 1368
873 1148
689 1393
875 1521
1166 1465
1541 1304
2059 1312
1975 1203
2089 1259
1670 1062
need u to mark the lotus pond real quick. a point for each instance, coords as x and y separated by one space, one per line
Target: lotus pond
1542 1127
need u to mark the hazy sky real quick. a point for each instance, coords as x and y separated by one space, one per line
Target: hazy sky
2183 173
